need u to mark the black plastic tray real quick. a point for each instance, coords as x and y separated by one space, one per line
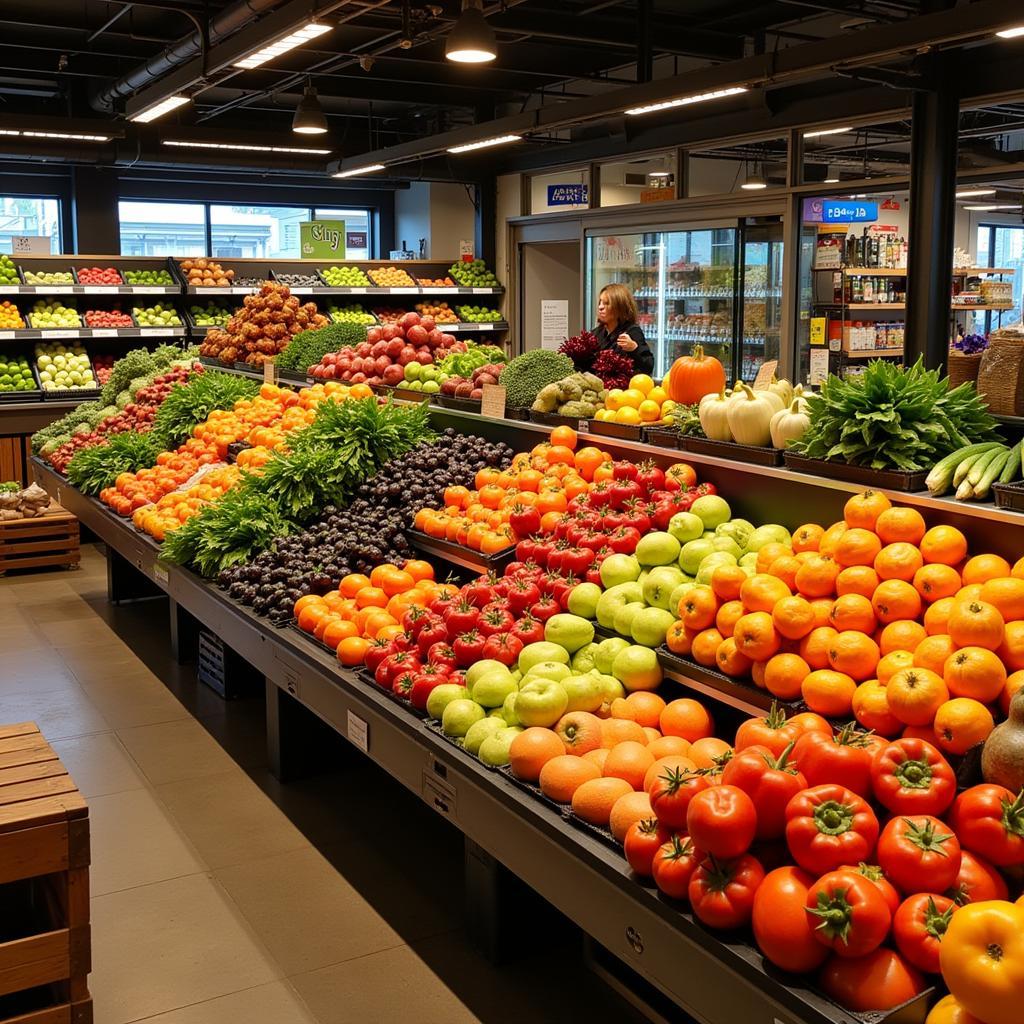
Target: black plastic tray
7 397
459 404
663 437
756 455
62 395
552 419
894 479
475 559
1009 496
623 431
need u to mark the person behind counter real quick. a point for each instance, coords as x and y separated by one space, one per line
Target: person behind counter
617 327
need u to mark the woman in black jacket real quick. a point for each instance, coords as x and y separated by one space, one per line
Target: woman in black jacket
617 327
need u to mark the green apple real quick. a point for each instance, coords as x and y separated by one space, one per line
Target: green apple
693 553
531 654
606 651
749 561
660 584
479 731
677 595
585 692
413 385
712 562
637 668
494 750
413 370
772 533
650 626
459 715
616 598
728 544
625 615
712 509
583 599
428 373
685 526
541 702
657 548
508 709
441 696
618 569
569 631
738 529
555 670
431 387
482 668
491 689
583 659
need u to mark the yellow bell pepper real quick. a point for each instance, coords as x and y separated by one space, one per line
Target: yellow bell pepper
948 1011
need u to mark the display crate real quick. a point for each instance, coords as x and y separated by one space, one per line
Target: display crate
893 479
663 437
1009 496
756 455
40 542
459 554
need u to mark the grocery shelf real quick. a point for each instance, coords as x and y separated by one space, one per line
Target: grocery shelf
873 305
29 416
363 290
981 271
970 306
872 353
63 333
89 289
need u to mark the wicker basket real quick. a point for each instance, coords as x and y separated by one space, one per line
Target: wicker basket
1001 375
962 367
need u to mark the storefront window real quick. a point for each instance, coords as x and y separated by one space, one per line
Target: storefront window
646 180
746 166
560 191
357 230
837 153
29 215
261 232
162 229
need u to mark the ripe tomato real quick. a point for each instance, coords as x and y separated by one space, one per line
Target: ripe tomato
782 927
722 821
910 776
989 820
674 865
919 854
773 731
671 793
722 892
879 981
770 781
977 880
851 915
843 758
918 927
643 840
873 873
827 827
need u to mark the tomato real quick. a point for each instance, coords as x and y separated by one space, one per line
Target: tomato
461 617
673 866
989 820
910 776
873 873
782 927
772 731
432 630
828 826
468 648
808 721
643 840
722 891
528 630
503 647
948 1011
722 821
879 981
977 880
848 912
770 780
843 758
982 959
394 665
671 793
919 854
918 927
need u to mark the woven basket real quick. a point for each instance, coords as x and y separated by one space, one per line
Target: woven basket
1001 375
962 367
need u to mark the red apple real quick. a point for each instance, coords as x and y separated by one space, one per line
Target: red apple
407 355
389 331
427 323
416 335
374 334
409 320
393 375
381 363
358 378
447 340
379 348
395 348
434 336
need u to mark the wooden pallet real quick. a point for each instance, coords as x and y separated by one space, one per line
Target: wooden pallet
15 454
48 540
44 865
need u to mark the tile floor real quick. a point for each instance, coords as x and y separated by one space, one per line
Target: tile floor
220 896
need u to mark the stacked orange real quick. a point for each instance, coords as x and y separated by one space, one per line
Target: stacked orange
131 491
166 515
508 505
368 608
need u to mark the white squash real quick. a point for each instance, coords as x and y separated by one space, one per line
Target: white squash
783 389
789 424
750 416
712 396
714 416
773 398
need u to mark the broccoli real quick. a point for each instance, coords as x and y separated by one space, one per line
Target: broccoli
164 355
525 375
137 363
307 348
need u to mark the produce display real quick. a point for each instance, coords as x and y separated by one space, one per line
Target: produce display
8 270
211 315
354 313
478 314
525 376
473 274
773 416
102 367
63 369
153 278
641 401
206 273
99 275
107 318
156 315
49 277
436 282
308 347
22 503
345 277
10 316
440 311
298 280
388 314
391 277
16 375
47 314
455 386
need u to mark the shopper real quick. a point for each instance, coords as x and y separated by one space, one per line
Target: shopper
617 327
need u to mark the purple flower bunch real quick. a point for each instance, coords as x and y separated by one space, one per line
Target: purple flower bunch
971 344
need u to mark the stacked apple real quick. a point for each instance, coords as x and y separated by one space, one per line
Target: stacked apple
345 277
64 369
16 375
107 318
472 387
478 314
473 274
351 314
387 351
10 316
391 277
49 313
102 366
388 314
152 278
210 315
8 271
156 316
49 277
99 275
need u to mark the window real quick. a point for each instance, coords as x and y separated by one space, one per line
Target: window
647 179
162 229
357 230
29 215
560 191
259 232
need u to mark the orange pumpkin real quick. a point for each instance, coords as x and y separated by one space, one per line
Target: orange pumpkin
693 377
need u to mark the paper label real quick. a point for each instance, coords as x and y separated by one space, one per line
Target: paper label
104 332
480 291
818 330
142 289
358 732
159 573
7 335
466 250
440 795
554 323
819 366
61 334
765 374
101 289
484 327
58 289
269 372
492 403
160 331
30 245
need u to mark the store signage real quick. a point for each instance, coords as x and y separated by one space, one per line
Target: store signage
818 369
883 229
30 245
848 211
466 250
322 239
554 323
355 239
492 402
766 374
657 195
891 204
568 195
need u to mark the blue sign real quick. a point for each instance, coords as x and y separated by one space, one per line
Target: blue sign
568 195
848 211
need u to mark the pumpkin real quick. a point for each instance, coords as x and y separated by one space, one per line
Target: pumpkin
749 416
1002 757
789 424
713 414
693 377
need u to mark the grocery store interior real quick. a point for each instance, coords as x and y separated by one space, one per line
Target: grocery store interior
511 511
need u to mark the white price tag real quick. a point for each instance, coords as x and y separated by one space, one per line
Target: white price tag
101 289
200 290
145 289
483 327
480 291
439 794
10 289
405 291
60 289
104 332
159 573
358 732
61 334
7 335
160 332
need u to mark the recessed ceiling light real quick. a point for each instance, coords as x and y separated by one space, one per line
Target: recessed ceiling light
283 45
498 140
471 40
684 101
976 192
164 106
827 131
245 148
1011 33
368 169
67 136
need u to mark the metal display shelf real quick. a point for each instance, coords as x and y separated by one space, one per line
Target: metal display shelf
374 290
83 333
89 289
712 979
33 414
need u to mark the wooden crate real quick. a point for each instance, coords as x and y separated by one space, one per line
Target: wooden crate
49 540
15 455
44 863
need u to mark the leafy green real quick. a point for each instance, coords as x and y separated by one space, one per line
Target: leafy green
63 427
464 363
94 468
686 420
138 362
191 403
893 418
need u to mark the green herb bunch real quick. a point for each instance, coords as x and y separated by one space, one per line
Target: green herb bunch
94 468
686 420
307 348
191 403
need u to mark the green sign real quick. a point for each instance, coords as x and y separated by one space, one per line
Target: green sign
322 239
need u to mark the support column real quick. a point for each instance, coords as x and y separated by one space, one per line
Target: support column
484 241
96 224
644 50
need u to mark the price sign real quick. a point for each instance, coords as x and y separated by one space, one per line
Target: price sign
483 327
6 335
160 573
156 290
60 289
492 402
104 332
101 289
30 245
481 291
765 374
269 371
358 732
466 250
848 211
62 334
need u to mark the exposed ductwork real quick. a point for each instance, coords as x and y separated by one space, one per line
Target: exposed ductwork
222 25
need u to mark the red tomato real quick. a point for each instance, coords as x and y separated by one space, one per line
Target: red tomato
852 917
782 927
843 758
989 820
910 776
643 840
770 781
918 927
671 793
773 731
873 873
878 981
976 881
674 865
827 827
722 821
722 892
919 854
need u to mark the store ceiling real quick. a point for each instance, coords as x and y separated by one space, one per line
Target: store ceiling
381 73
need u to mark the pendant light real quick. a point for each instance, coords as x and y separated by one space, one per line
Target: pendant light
309 118
471 40
755 180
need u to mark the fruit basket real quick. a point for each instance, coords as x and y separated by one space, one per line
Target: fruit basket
755 455
32 394
894 479
460 404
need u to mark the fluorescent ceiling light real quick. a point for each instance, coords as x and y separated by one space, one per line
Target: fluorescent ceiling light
827 131
69 136
283 45
660 174
685 101
831 181
1011 33
245 148
165 106
368 169
975 192
498 140
996 206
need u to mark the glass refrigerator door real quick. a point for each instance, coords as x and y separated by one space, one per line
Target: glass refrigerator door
762 297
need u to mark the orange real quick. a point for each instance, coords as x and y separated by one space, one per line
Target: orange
936 581
619 708
757 671
580 731
822 608
975 672
1018 568
915 694
312 615
895 599
817 576
944 544
628 760
687 718
666 762
1011 650
754 635
709 751
815 646
828 692
794 617
1006 593
853 611
919 732
598 756
936 618
371 597
863 510
730 660
664 746
808 537
698 607
351 584
396 581
828 540
704 648
652 734
647 707
961 724
760 592
337 631
785 568
976 624
307 600
531 750
857 547
419 569
564 436
901 635
376 620
982 568
891 663
563 775
1013 683
593 801
932 652
898 561
621 730
871 708
629 808
854 654
352 650
679 639
728 614
784 675
726 581
857 579
970 592
768 554
900 524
